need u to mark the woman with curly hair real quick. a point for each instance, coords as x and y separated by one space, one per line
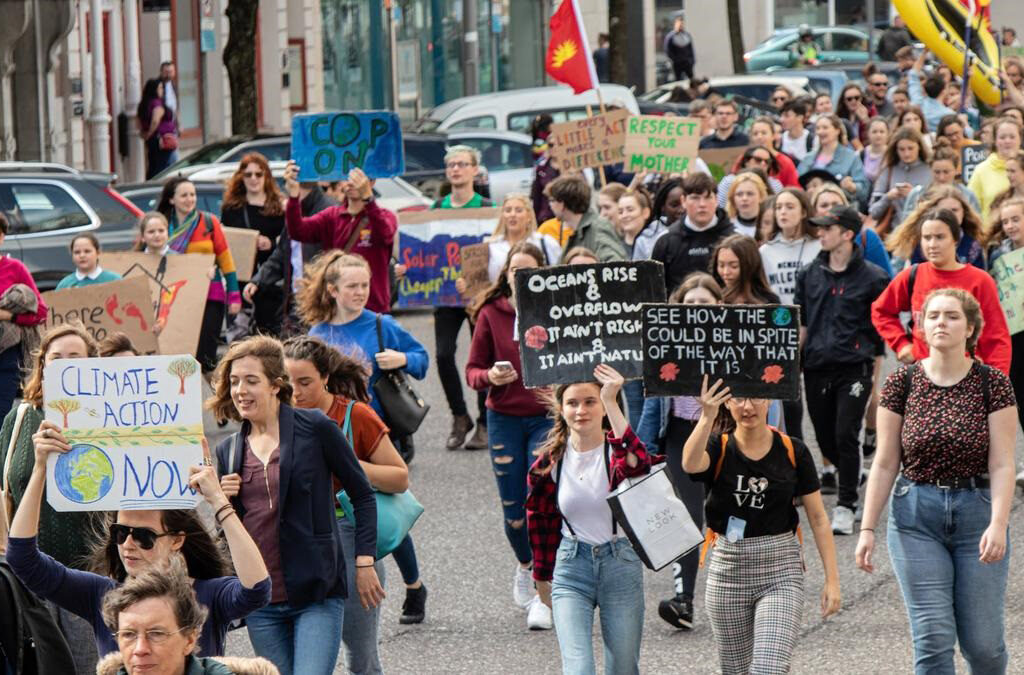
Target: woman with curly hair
905 241
252 201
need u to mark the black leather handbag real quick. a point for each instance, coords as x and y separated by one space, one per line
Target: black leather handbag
403 408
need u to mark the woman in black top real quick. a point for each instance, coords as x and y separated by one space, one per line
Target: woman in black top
755 593
253 201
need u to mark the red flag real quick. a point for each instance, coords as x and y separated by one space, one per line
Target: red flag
569 60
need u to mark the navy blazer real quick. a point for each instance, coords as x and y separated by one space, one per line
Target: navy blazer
312 448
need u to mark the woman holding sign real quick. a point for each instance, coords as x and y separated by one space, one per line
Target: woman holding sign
140 541
755 587
517 420
581 561
195 231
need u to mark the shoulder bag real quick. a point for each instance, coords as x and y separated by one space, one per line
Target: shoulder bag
396 513
6 500
403 408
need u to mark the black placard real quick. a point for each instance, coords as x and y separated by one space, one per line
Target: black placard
755 349
573 317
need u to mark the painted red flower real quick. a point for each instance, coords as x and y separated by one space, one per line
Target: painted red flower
536 337
772 374
668 372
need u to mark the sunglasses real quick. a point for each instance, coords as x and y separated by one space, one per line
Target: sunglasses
851 98
143 536
880 83
759 160
253 174
780 98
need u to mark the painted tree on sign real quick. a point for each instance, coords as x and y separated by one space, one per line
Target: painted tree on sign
182 368
65 406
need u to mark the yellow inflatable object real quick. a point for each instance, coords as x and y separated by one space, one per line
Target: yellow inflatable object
941 26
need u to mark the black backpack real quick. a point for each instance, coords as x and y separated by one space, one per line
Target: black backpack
31 642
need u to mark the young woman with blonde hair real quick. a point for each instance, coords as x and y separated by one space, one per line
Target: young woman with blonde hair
905 241
517 223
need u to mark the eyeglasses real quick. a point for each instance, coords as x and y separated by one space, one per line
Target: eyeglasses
759 160
155 636
880 83
780 98
458 165
851 99
253 174
143 536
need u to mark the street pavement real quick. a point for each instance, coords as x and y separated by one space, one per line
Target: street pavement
473 627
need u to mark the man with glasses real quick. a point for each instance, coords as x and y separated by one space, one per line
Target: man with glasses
780 97
461 166
877 91
727 134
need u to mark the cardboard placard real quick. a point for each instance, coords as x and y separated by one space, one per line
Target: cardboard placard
754 349
124 305
327 146
430 245
661 144
573 317
135 425
475 259
970 157
589 142
178 286
1008 271
721 160
242 243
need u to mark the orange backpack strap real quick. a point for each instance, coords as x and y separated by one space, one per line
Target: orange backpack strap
710 535
721 457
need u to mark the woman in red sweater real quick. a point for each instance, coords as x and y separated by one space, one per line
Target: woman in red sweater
22 306
517 419
940 232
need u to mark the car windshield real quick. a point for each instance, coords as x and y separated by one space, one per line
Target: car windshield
426 125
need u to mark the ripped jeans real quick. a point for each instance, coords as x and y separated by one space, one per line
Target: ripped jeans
512 440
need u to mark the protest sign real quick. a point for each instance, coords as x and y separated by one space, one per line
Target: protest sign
123 305
475 259
430 245
970 157
755 349
573 317
327 146
720 160
178 286
590 141
1008 271
661 144
135 425
242 243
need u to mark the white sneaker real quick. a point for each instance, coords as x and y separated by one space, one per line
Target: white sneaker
1020 479
539 616
842 520
522 589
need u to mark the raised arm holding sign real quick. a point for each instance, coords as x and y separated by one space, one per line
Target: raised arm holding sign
327 146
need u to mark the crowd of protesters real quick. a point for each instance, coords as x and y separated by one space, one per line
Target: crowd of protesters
859 217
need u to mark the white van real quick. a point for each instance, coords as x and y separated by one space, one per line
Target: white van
514 110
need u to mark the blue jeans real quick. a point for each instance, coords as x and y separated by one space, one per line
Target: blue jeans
513 440
933 537
611 577
633 392
298 641
359 626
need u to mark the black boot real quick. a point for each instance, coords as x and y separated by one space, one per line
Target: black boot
414 609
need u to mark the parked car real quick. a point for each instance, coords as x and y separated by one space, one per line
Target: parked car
837 44
506 158
231 150
45 208
514 110
145 196
823 80
757 87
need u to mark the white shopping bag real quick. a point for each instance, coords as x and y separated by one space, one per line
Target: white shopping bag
656 522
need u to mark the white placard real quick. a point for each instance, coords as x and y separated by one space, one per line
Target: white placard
135 424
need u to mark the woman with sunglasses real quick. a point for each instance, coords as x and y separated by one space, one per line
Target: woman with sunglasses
856 110
753 158
139 541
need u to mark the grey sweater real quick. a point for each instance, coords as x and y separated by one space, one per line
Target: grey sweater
917 173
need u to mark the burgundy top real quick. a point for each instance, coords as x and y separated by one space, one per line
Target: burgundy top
945 429
12 272
493 340
261 489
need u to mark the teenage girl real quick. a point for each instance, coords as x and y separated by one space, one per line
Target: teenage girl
85 253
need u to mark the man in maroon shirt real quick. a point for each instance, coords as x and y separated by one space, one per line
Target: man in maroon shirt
335 227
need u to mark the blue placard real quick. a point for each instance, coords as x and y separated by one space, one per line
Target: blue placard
327 146
432 266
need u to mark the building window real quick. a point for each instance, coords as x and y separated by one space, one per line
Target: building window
186 61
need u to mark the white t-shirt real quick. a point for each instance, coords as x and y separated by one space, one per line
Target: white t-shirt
583 494
795 147
498 249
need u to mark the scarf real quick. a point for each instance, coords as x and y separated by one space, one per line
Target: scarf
182 234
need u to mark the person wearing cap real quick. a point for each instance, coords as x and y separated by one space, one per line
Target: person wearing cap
834 292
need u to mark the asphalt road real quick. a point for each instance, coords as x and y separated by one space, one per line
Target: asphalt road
472 626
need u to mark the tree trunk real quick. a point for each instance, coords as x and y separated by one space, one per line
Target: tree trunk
240 61
739 66
618 43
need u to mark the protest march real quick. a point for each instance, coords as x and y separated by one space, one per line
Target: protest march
698 339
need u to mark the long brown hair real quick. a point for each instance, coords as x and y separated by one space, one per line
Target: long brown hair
892 156
32 391
270 355
971 308
501 288
346 376
753 284
314 302
234 192
904 239
203 555
806 229
558 437
995 218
